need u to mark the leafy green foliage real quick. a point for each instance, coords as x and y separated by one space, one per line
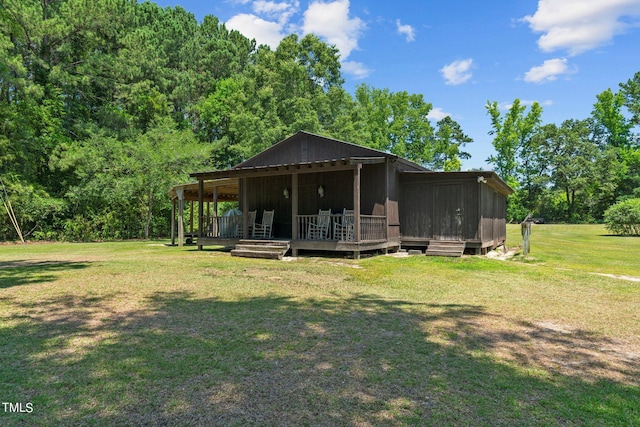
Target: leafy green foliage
624 218
449 138
105 104
512 134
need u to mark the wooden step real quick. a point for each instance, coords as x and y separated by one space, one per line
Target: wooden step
270 249
445 248
257 254
264 242
266 248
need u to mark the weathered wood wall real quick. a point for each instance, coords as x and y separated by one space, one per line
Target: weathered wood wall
492 211
439 207
266 193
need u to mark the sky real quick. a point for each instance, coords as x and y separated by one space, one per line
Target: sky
460 54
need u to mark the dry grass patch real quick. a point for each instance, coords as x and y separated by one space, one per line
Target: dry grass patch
139 334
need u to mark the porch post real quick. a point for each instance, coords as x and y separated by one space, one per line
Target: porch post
386 203
207 219
294 210
200 212
245 209
356 205
191 217
215 212
173 222
180 192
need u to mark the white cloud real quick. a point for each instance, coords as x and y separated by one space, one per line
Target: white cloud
270 23
407 30
331 22
254 27
437 114
457 72
282 12
548 71
356 69
580 25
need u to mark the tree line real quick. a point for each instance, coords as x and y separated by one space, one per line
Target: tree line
575 171
105 104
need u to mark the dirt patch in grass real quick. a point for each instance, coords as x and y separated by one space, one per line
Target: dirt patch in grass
546 347
621 277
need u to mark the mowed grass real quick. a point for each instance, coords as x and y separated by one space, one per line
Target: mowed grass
138 333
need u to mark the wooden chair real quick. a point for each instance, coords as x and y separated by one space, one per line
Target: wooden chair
319 230
264 230
251 222
344 228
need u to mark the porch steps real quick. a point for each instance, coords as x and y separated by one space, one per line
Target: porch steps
445 248
270 249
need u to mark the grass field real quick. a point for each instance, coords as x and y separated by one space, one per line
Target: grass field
138 333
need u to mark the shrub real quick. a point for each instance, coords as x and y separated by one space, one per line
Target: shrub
624 218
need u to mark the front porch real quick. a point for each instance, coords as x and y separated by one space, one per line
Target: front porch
344 233
333 205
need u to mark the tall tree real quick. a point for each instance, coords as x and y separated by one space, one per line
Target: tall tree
395 122
512 134
611 127
120 185
569 161
449 138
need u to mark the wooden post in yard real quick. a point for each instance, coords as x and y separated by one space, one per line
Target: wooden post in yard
525 228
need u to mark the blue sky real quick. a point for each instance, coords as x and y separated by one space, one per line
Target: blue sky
458 53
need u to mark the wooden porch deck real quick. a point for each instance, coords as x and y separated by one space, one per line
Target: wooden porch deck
227 232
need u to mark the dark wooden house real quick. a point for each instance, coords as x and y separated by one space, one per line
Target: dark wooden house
361 199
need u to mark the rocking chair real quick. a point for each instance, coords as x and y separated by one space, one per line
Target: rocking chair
264 230
319 230
344 228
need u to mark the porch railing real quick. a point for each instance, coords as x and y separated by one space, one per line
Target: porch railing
224 227
372 227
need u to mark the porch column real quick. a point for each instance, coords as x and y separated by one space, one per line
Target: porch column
245 209
191 218
200 212
180 192
294 210
357 172
215 212
173 222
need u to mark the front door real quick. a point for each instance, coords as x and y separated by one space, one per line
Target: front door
448 212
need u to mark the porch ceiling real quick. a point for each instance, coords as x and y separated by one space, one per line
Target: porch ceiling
227 190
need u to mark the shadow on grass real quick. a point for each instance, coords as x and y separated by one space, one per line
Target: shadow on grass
24 272
278 361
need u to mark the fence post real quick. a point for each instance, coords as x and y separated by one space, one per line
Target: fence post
525 228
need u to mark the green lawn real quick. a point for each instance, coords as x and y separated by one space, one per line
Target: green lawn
138 333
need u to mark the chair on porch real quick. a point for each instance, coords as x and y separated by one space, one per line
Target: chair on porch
344 227
251 222
264 230
319 230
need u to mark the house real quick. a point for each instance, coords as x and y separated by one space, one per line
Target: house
330 195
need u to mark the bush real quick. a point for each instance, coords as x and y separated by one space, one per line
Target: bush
624 218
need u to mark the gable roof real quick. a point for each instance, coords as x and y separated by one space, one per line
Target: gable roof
305 147
309 152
